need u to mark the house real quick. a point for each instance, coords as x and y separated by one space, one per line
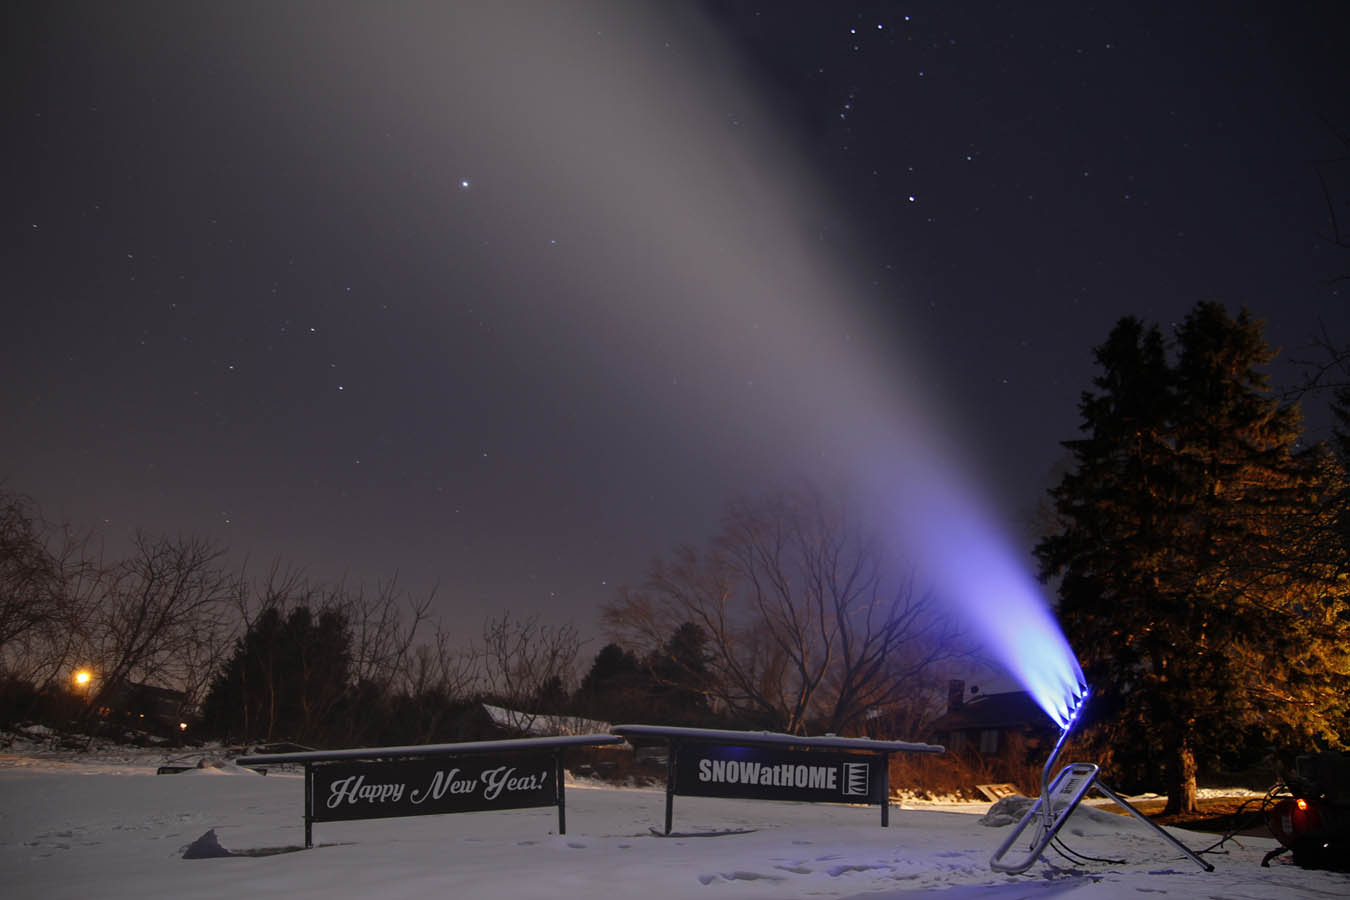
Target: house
145 706
990 723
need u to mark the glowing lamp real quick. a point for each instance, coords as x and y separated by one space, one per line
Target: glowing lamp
83 677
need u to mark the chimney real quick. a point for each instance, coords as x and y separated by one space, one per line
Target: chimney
956 694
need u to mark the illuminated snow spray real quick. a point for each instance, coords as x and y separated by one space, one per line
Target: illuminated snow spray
1059 797
972 564
976 569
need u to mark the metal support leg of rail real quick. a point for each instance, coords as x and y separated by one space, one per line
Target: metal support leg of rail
885 790
560 788
309 806
671 750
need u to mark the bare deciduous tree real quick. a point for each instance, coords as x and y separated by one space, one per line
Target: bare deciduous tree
45 583
384 627
439 677
441 668
322 664
29 573
161 614
275 595
525 661
804 624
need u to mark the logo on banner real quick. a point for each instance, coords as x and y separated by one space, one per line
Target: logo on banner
855 779
729 771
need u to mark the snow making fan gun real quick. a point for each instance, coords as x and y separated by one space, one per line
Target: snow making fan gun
1059 797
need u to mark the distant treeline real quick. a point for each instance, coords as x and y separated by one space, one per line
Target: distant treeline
171 634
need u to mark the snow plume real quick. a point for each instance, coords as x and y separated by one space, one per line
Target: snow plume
695 292
974 565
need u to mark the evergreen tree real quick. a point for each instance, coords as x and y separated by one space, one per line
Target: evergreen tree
1340 408
681 678
286 679
617 688
1192 567
551 699
669 686
613 667
1340 443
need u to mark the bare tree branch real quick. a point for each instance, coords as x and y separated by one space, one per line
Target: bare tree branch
522 659
804 625
170 596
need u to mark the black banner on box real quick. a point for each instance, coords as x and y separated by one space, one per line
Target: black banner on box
417 787
761 773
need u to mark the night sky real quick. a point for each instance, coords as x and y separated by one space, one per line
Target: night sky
511 298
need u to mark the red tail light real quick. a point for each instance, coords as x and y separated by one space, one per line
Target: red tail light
1291 818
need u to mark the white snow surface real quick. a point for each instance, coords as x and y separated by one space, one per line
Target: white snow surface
101 824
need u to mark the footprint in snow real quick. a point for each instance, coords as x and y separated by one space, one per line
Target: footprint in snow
709 878
836 871
750 876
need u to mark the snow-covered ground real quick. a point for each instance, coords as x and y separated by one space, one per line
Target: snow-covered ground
103 825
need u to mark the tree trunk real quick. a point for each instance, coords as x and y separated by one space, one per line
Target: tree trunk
1181 781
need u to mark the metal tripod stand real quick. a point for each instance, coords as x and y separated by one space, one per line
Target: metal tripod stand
1060 797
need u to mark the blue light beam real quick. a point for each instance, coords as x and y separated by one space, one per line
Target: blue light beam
972 564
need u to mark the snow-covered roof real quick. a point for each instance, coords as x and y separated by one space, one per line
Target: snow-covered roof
542 725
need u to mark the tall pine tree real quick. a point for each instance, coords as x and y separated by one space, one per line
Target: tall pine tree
286 680
1193 575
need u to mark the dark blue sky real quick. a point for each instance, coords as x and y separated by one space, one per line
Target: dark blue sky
512 300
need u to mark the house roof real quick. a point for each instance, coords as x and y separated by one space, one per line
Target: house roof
134 690
1014 709
542 725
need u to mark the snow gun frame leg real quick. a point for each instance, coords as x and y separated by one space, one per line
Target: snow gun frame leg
1058 800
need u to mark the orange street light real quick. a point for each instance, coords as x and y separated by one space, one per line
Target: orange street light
83 677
